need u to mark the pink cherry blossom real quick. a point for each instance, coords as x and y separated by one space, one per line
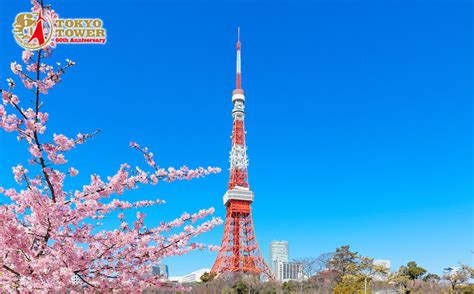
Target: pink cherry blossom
19 171
73 172
63 142
28 84
45 85
10 122
32 67
51 235
214 248
8 97
26 55
15 67
43 117
5 97
34 150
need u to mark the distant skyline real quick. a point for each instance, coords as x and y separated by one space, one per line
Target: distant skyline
358 113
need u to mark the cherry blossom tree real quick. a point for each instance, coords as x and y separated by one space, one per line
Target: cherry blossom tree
52 238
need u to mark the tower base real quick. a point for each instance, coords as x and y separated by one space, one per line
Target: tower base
239 251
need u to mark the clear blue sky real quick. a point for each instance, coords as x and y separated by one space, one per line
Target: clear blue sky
359 116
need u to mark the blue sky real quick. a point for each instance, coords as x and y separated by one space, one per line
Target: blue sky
359 116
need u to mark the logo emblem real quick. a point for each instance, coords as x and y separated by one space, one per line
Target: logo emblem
33 30
42 28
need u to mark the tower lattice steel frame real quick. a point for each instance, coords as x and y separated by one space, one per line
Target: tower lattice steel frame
239 249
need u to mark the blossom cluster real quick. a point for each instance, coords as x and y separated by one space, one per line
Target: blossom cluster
51 237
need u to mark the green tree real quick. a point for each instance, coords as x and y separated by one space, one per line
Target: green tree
240 287
400 279
349 284
410 272
432 278
207 277
413 271
344 261
355 271
457 277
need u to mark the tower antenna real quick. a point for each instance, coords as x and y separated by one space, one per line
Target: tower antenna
238 74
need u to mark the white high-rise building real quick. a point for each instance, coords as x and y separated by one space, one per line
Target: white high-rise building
287 271
278 251
282 268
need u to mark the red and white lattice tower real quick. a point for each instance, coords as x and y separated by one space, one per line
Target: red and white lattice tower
239 249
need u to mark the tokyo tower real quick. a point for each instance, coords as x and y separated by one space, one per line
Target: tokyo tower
239 249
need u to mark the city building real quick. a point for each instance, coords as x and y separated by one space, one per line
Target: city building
160 270
195 276
282 268
278 251
288 271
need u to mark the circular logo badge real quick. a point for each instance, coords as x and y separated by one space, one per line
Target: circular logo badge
33 30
